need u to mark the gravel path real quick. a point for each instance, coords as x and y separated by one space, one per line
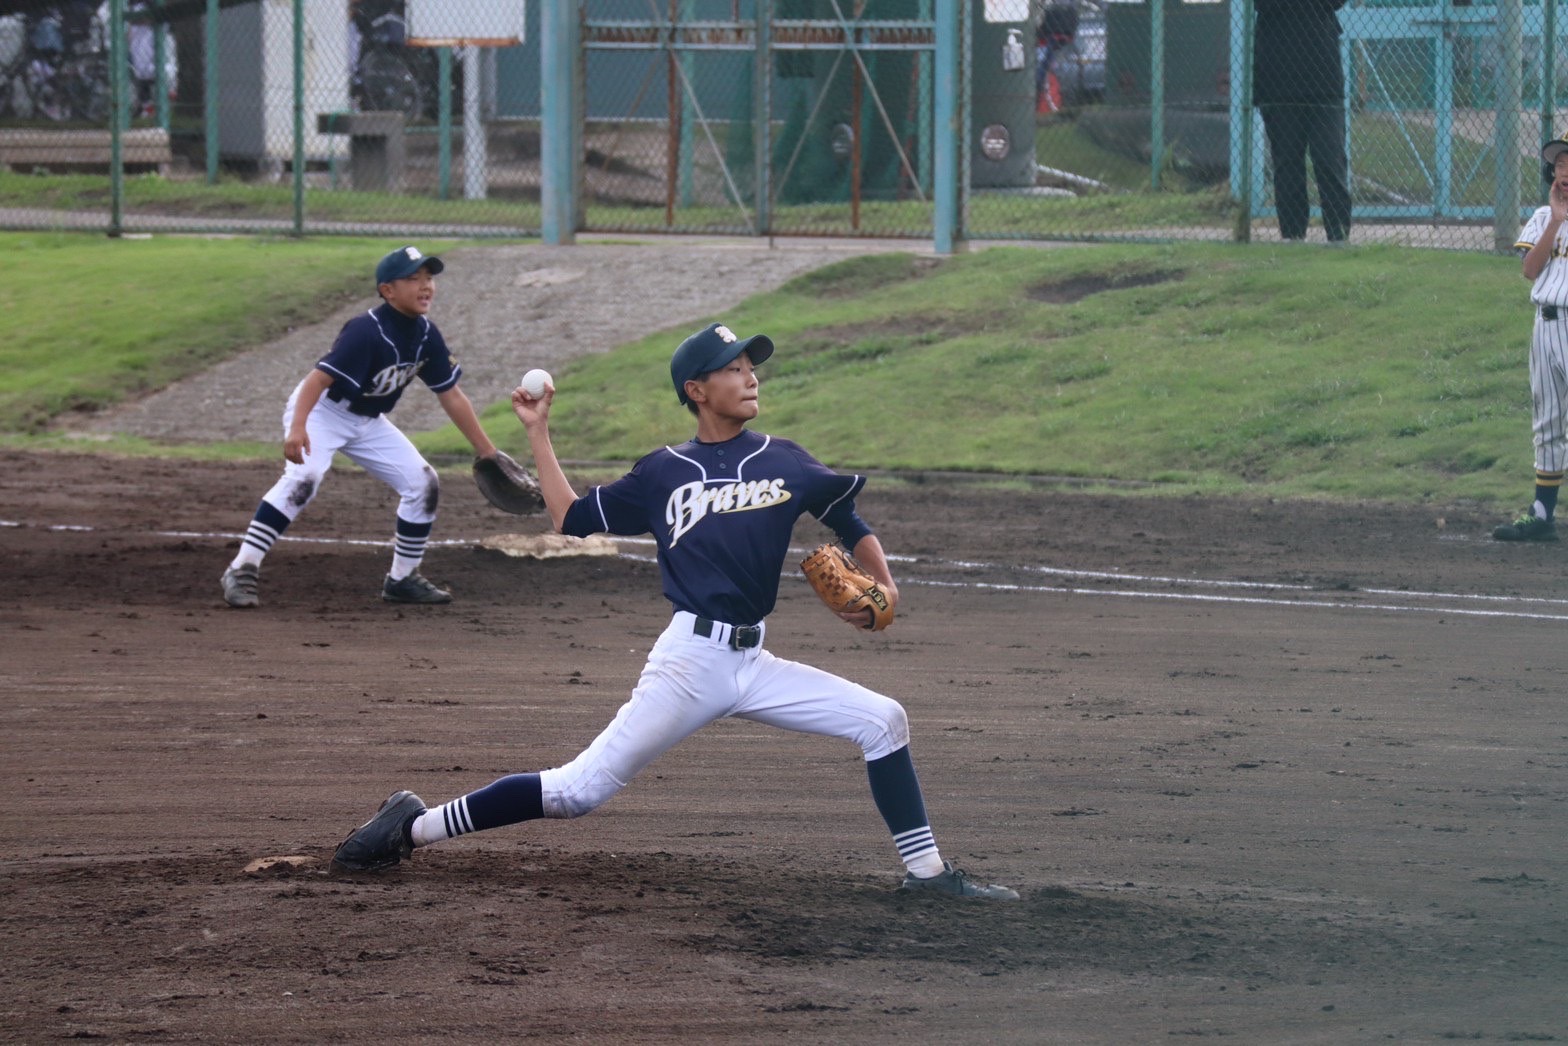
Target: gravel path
503 309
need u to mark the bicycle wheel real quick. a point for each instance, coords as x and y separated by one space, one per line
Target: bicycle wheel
387 85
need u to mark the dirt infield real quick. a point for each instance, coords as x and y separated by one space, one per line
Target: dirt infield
1263 773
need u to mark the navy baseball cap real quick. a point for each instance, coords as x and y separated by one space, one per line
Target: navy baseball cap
405 261
711 348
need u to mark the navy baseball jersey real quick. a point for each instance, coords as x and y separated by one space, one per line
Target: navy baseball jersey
377 354
722 515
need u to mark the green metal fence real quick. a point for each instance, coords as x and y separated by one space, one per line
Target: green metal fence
1068 119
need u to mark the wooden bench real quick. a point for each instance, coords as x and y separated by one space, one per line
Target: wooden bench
30 148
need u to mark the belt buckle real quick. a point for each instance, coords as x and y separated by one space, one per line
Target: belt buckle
744 637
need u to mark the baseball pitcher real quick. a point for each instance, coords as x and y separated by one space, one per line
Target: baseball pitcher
722 508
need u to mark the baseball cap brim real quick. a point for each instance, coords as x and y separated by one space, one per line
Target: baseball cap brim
1552 150
759 347
404 263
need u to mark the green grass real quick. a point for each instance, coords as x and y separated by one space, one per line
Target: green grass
95 320
1282 371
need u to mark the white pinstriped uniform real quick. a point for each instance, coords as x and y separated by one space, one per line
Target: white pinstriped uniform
1549 347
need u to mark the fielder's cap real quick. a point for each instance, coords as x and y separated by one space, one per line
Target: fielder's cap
405 261
1553 149
711 348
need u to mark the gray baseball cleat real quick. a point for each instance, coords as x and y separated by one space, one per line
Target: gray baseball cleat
415 588
240 585
955 883
385 839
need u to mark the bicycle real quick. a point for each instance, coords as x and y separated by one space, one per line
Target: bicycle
59 71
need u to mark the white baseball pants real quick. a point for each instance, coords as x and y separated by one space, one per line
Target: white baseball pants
691 680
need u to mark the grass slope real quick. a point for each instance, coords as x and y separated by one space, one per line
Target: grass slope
1284 371
1289 370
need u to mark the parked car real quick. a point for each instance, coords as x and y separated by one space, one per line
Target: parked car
1079 64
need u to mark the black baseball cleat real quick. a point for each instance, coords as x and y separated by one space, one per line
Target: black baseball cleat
385 839
1528 527
954 883
415 588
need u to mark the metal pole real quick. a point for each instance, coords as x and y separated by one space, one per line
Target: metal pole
1548 79
209 90
160 56
673 121
855 123
1241 185
688 62
762 116
1510 101
475 147
444 122
118 115
299 117
944 146
1156 91
556 203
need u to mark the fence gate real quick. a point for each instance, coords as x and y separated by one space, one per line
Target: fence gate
1422 92
787 117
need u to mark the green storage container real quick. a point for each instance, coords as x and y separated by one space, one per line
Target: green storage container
1001 125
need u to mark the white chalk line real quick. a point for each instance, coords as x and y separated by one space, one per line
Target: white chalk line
958 564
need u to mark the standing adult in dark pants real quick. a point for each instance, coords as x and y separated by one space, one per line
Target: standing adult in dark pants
1298 84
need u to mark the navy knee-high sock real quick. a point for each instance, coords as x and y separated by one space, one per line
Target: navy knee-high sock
896 790
514 798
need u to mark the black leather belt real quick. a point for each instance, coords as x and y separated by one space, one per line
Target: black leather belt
742 637
353 408
1548 313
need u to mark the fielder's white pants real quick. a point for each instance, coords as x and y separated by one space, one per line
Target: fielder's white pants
692 680
374 444
1549 391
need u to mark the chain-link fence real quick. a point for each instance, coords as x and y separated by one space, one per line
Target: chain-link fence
1371 120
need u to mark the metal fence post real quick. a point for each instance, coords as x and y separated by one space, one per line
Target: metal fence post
556 134
209 90
1156 91
1510 45
444 122
299 117
117 116
1548 78
762 116
944 147
1241 117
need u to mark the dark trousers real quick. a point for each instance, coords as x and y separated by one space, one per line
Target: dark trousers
1294 130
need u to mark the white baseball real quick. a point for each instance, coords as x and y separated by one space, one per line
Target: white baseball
535 382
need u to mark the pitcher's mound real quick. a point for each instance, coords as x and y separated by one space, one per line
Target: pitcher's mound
282 863
549 546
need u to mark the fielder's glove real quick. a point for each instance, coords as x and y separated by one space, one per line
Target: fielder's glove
507 485
844 586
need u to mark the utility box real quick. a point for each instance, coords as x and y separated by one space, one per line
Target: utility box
1001 122
255 74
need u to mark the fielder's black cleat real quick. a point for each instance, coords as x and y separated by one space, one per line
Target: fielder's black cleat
1528 527
415 588
384 840
955 883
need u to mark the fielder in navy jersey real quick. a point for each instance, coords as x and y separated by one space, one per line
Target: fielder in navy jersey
1543 246
342 405
722 508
